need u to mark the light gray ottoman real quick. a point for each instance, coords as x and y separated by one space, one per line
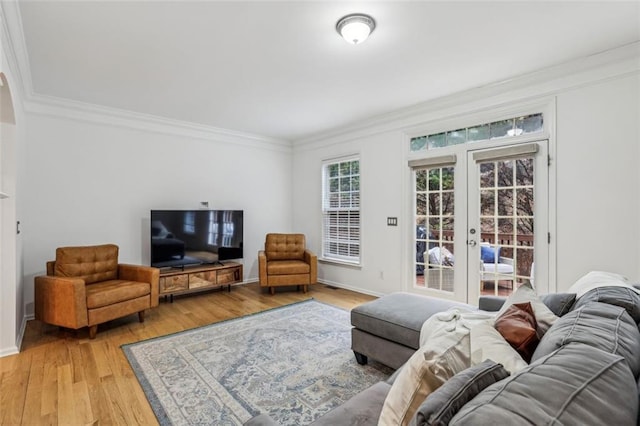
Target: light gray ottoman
388 329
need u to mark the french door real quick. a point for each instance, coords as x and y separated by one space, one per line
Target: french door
482 221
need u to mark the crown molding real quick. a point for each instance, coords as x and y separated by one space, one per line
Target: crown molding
15 49
51 106
613 63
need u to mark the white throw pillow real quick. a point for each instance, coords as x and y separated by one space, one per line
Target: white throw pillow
596 279
427 369
487 343
523 294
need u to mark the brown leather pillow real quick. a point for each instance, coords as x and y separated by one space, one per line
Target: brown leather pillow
518 327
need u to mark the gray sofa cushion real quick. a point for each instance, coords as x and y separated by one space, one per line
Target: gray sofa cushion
363 409
439 407
618 296
559 303
577 384
600 325
399 316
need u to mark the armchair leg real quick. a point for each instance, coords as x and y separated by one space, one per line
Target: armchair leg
304 288
93 330
141 316
272 290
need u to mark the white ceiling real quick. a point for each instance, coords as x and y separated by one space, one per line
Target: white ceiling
279 69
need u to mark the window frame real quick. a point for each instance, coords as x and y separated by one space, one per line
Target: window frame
340 238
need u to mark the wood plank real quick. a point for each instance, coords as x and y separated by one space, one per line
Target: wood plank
66 404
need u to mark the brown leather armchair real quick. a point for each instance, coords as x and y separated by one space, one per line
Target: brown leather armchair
85 286
286 261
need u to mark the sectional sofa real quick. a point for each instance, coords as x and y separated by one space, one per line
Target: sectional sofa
584 370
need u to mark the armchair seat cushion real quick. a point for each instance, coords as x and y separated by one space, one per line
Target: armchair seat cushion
111 292
287 267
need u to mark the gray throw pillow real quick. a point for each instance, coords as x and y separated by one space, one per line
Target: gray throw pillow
575 385
559 303
603 326
440 406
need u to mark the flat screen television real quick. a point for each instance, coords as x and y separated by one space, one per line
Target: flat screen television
195 237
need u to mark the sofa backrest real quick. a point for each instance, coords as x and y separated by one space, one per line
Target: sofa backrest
284 246
91 263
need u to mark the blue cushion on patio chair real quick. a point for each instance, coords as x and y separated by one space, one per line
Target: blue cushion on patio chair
490 254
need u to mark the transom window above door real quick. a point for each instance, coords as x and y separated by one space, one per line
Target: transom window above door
514 126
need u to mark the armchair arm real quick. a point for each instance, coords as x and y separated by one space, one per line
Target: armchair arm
145 274
312 260
61 301
262 268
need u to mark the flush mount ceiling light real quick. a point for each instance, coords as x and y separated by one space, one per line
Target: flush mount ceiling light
355 28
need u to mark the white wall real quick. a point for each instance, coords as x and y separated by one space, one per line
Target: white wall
597 184
94 183
598 179
381 196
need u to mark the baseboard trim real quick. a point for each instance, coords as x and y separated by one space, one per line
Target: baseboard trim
352 288
11 350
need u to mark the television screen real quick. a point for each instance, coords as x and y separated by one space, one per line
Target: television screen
193 237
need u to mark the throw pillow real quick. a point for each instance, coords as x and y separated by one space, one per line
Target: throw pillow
487 343
489 254
518 327
440 256
596 279
448 399
423 373
544 317
559 303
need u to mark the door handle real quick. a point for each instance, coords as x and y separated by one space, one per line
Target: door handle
472 243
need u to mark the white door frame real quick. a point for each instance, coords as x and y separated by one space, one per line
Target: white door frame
463 116
541 218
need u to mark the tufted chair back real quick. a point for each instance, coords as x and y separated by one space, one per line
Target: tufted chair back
91 263
284 246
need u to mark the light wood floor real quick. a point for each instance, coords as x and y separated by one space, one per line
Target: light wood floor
61 377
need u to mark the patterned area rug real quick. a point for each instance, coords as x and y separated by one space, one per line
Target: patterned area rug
293 363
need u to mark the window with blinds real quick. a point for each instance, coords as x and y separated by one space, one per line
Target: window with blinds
341 210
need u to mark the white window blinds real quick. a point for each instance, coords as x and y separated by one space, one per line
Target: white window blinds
341 210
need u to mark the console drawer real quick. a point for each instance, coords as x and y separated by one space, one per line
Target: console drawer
202 279
228 276
174 283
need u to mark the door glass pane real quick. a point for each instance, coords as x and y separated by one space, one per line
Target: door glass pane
487 175
507 224
487 202
434 228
